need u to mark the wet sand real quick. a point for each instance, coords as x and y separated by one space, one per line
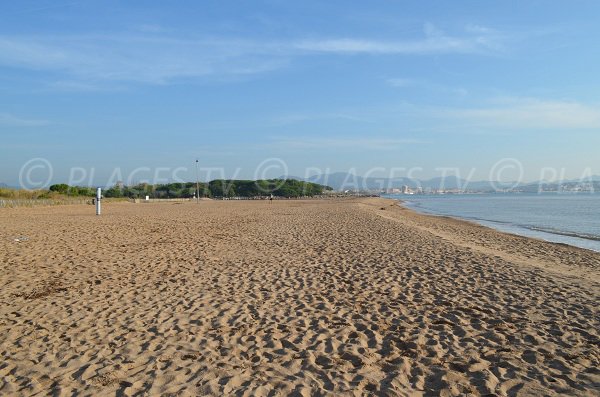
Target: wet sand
316 297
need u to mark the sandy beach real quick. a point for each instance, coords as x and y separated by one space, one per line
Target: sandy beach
308 298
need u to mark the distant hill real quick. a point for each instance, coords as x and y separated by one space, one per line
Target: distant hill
346 181
341 181
587 185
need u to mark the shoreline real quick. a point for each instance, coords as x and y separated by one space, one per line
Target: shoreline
438 223
536 233
328 297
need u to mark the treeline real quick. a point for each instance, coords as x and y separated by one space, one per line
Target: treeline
67 190
221 188
214 189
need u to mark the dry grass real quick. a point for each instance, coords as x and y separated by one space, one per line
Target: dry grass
21 194
12 198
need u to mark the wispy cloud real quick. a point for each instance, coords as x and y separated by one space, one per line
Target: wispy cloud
426 85
357 46
8 119
143 59
344 143
527 113
396 82
294 118
82 86
435 42
156 55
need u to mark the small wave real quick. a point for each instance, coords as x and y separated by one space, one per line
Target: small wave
563 232
545 233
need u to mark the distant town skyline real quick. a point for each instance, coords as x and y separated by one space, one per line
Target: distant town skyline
313 87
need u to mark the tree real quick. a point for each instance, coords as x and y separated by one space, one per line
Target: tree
222 188
62 188
113 192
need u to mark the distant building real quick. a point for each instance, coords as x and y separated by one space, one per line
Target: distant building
406 190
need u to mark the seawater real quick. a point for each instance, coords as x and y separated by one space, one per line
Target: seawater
569 218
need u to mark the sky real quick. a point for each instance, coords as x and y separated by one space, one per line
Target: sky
97 91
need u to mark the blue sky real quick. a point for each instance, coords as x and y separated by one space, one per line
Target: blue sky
337 85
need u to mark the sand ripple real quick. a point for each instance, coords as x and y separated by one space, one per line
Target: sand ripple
305 298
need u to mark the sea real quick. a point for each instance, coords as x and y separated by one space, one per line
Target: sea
569 218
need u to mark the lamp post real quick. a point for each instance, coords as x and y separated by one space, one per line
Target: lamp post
197 184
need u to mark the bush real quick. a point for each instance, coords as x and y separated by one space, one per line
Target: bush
61 188
216 188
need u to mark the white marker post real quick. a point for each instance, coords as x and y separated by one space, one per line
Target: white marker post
98 198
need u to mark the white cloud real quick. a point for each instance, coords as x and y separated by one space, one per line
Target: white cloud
357 46
432 31
344 143
426 85
479 29
143 59
294 118
528 113
7 119
81 86
155 55
400 82
434 42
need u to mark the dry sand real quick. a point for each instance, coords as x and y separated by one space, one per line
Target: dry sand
346 297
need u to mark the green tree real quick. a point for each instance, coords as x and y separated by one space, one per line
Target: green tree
62 188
